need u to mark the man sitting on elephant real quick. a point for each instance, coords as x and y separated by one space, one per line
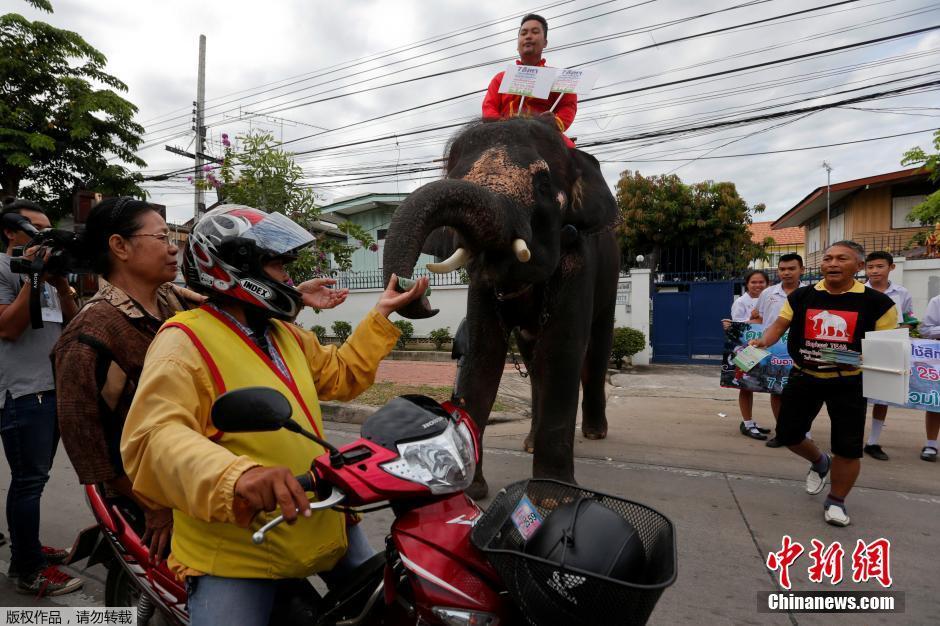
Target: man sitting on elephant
532 39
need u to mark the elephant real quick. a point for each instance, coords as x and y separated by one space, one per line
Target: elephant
532 221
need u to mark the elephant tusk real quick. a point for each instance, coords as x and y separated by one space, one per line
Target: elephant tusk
457 260
521 250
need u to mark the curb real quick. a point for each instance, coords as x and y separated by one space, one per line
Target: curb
346 413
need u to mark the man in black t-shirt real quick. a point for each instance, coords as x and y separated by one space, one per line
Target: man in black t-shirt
834 314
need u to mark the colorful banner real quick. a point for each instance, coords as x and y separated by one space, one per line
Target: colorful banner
575 81
770 375
528 80
924 391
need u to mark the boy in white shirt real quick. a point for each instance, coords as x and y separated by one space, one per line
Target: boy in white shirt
878 267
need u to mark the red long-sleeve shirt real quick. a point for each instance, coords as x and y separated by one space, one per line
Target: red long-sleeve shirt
502 105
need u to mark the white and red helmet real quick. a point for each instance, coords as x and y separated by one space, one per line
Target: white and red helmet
227 251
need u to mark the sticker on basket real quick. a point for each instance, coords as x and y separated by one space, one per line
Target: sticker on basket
526 518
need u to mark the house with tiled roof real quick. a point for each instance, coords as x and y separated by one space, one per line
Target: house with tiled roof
872 211
776 243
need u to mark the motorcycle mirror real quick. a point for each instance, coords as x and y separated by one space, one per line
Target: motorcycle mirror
251 409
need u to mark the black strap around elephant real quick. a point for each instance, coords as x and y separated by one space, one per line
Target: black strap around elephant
544 316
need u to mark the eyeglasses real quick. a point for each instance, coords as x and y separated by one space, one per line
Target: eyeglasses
164 238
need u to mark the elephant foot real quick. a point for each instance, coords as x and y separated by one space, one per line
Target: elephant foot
529 444
594 433
478 489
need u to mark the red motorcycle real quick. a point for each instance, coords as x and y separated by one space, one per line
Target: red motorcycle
544 552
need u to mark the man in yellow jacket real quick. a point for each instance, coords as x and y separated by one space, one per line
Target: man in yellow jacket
215 481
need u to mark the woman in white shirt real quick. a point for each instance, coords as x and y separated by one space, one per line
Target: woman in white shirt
755 281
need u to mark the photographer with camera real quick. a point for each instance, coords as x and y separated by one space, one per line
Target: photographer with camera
28 424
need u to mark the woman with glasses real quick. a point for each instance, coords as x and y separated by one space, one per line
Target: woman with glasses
99 357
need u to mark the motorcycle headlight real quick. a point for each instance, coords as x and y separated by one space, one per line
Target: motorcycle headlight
444 463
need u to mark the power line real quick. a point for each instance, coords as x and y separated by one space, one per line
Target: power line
749 154
807 55
479 91
370 57
769 116
646 88
385 66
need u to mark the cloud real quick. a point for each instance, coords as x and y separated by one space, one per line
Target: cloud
153 48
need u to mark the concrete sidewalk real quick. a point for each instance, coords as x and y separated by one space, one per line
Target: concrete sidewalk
731 499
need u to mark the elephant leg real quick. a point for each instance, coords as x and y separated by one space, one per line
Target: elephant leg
554 435
481 372
526 350
557 363
594 379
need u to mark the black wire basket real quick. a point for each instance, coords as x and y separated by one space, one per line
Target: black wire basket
549 592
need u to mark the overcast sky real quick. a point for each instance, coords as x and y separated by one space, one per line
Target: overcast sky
266 56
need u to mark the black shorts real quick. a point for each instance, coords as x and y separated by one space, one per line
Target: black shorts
803 398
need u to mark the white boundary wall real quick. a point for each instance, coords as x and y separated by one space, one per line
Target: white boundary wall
633 309
921 277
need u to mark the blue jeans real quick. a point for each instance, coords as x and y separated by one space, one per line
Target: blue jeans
30 436
218 601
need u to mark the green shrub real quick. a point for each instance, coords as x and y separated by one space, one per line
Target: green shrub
440 336
320 332
627 342
407 332
342 330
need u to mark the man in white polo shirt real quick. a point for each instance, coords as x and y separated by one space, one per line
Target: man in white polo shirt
878 266
767 310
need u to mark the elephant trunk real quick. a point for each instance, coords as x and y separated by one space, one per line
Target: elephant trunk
472 210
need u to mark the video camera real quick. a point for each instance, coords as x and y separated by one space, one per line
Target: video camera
59 252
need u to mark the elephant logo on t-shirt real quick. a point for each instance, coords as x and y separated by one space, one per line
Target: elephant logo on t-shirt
827 325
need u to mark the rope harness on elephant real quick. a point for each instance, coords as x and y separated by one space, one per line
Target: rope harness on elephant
544 316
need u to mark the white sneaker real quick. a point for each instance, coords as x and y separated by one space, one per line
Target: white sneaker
836 515
816 483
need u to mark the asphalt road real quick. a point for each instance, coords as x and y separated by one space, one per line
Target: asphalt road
731 499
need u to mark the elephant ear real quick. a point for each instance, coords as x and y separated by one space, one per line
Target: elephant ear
591 206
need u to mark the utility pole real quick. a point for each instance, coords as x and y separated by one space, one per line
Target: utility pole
199 110
828 169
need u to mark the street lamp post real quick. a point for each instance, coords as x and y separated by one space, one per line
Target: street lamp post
828 169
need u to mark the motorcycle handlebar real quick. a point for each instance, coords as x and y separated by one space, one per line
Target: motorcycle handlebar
306 481
336 496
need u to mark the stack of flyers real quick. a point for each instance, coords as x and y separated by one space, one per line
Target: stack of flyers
841 357
746 359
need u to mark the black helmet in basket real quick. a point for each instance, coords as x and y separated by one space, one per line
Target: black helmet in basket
227 251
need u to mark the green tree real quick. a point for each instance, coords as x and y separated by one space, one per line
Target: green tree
261 175
927 212
662 216
63 125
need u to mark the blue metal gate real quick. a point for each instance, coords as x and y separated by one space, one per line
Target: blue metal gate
687 322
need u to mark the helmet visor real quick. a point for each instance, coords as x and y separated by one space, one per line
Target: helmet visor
277 234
